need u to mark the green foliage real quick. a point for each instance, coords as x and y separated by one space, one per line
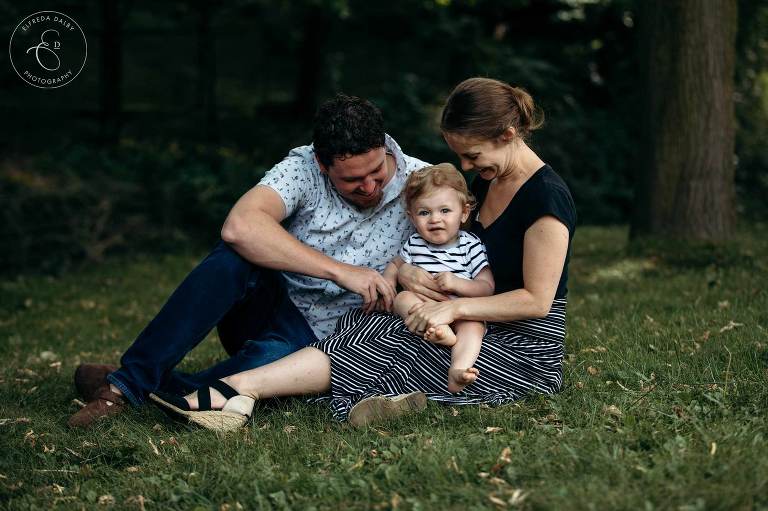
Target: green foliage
752 108
663 405
79 202
66 199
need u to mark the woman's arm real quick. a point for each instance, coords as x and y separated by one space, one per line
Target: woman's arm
544 250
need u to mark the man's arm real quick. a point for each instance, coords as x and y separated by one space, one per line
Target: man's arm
253 230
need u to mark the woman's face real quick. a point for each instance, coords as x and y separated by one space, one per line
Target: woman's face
489 158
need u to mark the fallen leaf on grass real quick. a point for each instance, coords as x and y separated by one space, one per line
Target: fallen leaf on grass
395 501
290 429
517 498
454 411
132 469
593 371
87 304
579 385
497 501
30 437
730 326
712 449
622 386
493 429
48 356
505 458
596 349
19 420
154 447
107 500
723 305
138 500
171 441
612 410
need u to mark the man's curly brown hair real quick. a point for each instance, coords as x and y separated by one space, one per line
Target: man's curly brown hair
346 126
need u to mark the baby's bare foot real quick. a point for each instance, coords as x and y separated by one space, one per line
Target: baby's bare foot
441 334
460 378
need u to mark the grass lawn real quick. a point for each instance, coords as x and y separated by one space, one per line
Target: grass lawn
665 404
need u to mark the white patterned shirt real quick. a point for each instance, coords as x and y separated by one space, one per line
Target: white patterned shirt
319 217
465 257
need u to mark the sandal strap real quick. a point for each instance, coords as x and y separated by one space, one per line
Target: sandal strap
204 393
204 399
224 389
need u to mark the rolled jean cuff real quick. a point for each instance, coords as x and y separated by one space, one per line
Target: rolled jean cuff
130 396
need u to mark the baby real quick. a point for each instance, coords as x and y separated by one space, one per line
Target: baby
438 203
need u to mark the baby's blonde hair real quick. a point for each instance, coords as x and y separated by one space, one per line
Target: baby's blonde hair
425 181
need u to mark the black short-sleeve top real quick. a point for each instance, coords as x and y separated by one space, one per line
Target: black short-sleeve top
544 194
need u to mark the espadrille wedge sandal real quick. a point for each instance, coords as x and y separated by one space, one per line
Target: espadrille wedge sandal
235 413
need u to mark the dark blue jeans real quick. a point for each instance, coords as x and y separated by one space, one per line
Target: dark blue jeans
256 321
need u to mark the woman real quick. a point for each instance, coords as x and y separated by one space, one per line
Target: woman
526 220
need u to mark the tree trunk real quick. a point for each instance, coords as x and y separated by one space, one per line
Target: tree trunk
111 72
686 185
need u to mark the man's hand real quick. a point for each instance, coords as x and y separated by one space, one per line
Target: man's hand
446 281
419 281
381 305
368 283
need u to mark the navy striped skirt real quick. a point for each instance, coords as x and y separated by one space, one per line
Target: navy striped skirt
376 355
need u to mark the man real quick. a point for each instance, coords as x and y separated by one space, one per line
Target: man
298 250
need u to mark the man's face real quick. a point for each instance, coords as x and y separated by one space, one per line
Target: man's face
360 179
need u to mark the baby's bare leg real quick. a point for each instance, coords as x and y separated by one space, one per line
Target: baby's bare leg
469 339
403 303
441 334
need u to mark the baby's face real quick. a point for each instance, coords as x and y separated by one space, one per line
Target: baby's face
438 216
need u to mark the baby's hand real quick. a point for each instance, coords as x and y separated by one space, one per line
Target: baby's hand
447 281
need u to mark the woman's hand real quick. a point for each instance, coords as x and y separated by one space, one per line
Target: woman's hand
419 281
425 315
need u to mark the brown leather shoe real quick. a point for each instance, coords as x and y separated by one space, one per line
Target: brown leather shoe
105 404
89 378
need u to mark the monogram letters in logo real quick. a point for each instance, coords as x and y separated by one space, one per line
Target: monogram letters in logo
48 49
